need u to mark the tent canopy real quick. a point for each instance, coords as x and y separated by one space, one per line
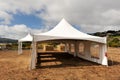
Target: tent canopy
26 38
66 31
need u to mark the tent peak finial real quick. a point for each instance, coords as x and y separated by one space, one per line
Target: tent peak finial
63 18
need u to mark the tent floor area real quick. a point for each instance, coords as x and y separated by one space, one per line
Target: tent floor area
60 59
16 67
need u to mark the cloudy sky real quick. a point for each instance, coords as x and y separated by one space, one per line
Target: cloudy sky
18 17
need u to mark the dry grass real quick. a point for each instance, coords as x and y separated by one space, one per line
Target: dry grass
58 67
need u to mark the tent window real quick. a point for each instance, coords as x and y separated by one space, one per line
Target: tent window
72 48
81 48
62 47
95 50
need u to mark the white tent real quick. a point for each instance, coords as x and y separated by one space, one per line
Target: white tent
27 38
65 32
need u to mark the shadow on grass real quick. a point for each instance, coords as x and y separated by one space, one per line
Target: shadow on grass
60 59
112 63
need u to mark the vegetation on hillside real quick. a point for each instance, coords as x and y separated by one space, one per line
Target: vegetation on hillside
114 41
6 40
113 37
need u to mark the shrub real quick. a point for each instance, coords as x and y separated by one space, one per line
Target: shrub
115 42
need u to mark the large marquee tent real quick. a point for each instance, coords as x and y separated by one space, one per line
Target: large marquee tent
64 32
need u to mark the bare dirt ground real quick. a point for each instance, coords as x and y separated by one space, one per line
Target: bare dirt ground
57 66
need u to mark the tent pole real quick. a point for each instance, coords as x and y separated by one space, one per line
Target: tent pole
76 48
36 47
19 48
33 56
66 47
103 54
69 48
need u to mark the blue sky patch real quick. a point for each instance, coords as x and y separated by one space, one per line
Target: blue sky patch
29 20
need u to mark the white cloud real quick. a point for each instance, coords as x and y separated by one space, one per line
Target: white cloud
24 6
91 15
112 28
98 14
11 7
112 16
98 28
17 31
92 28
5 18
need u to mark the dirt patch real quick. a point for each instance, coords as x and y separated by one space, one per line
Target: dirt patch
57 66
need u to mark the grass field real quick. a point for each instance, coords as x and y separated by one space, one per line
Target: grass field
58 67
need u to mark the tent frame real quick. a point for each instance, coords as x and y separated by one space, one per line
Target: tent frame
64 32
102 56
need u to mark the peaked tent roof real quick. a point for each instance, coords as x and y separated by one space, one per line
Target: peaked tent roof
26 38
66 31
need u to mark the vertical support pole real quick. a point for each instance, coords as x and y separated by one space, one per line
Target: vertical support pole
103 54
87 49
36 47
76 48
69 47
65 47
19 48
33 56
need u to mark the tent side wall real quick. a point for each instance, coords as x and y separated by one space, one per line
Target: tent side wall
87 53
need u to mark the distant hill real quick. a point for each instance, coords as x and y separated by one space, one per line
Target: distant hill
107 33
6 40
113 37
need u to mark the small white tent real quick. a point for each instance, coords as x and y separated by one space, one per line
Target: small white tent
65 32
27 38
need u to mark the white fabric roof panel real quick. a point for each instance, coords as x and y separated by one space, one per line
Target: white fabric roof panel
26 38
65 31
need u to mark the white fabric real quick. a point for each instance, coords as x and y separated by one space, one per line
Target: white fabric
19 48
26 38
34 56
65 31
